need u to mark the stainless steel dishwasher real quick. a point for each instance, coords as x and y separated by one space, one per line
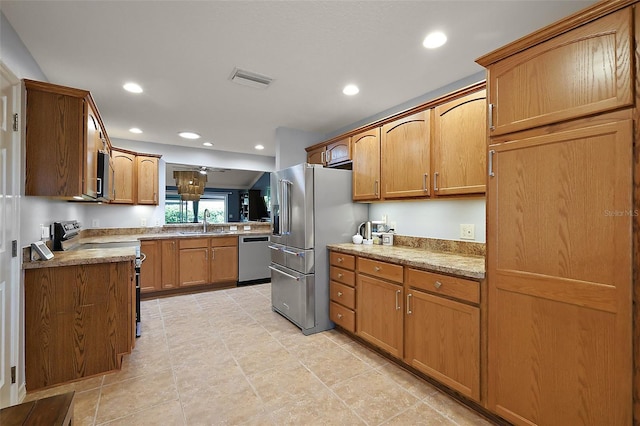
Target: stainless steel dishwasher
254 257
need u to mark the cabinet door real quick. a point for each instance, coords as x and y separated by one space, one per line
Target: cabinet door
338 152
53 143
316 156
366 165
559 239
443 341
169 264
150 270
194 266
224 264
92 143
582 72
460 145
147 180
379 315
405 157
125 169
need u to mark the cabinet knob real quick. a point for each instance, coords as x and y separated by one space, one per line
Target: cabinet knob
339 316
339 274
437 284
340 260
339 294
377 268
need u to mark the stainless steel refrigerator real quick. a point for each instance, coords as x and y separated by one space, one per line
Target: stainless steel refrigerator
311 207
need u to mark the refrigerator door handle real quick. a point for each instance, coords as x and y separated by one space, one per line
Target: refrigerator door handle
298 254
284 273
285 210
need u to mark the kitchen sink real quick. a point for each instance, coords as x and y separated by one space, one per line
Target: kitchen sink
205 233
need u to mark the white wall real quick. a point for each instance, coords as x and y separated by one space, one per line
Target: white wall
433 218
290 145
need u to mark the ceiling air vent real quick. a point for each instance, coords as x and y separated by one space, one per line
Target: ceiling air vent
252 79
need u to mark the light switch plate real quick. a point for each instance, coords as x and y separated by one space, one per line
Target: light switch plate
233 228
247 227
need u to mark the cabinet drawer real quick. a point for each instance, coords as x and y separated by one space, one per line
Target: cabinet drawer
342 294
194 243
342 260
459 288
385 270
224 241
342 316
343 276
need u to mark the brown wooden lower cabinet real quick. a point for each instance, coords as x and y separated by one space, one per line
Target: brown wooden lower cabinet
428 321
175 263
78 321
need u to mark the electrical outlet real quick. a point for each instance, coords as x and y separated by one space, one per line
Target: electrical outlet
157 221
95 223
247 227
44 231
143 221
467 231
392 225
233 228
384 218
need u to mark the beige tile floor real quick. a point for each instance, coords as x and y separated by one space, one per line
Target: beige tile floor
224 358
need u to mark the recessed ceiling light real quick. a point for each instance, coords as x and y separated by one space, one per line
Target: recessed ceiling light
207 144
189 135
135 130
350 89
259 147
435 39
132 87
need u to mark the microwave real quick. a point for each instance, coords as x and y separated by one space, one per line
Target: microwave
105 176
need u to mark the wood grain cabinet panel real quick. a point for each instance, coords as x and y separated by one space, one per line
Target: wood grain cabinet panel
194 261
460 145
342 316
125 167
78 321
366 165
316 156
169 269
585 71
338 152
379 318
224 263
151 268
62 139
405 155
443 341
147 174
560 219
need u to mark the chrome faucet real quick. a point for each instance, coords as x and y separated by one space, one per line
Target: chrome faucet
205 215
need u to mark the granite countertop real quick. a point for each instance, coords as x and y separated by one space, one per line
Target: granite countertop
83 257
463 265
133 235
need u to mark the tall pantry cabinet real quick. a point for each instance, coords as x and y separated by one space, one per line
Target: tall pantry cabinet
561 212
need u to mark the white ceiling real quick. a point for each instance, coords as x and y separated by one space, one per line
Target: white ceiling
183 52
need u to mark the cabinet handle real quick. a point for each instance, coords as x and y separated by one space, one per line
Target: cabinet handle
339 294
435 181
99 190
323 157
437 284
375 188
397 300
424 182
213 254
491 153
409 312
491 126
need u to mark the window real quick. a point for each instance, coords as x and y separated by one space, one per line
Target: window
176 211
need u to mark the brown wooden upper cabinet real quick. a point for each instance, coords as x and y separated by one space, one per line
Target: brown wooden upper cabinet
124 164
404 150
147 179
366 165
582 72
459 145
331 154
136 177
63 135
